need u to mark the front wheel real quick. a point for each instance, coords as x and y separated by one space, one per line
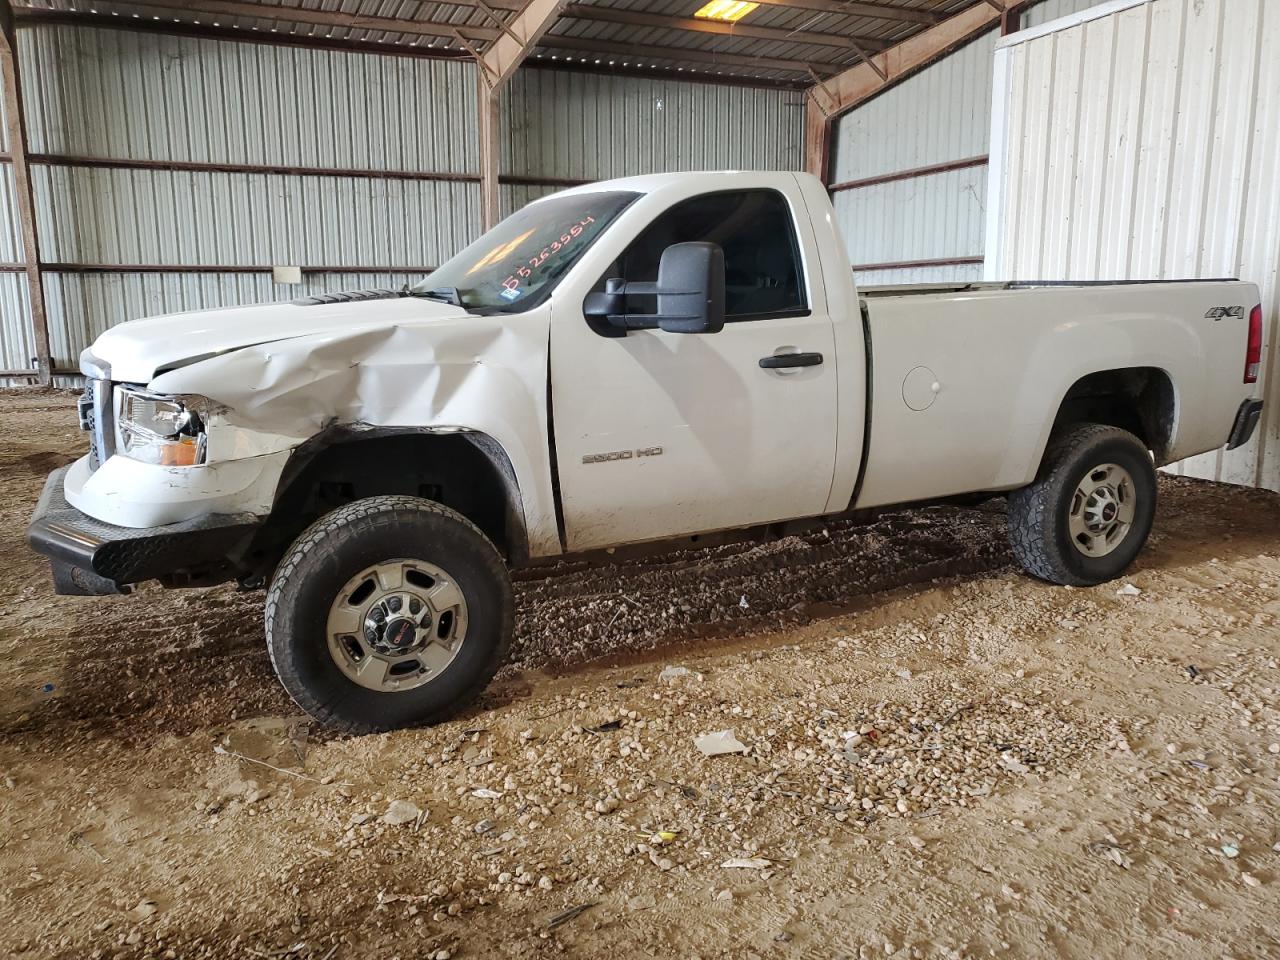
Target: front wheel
1089 510
388 612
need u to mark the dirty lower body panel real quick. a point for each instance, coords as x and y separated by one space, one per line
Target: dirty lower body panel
90 557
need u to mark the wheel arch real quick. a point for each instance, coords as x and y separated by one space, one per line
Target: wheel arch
468 471
1142 400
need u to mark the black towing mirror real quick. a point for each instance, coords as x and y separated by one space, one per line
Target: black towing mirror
689 291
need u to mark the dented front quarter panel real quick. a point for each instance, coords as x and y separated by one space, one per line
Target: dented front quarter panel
474 373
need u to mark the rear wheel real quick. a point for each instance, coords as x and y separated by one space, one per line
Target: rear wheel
1089 510
388 612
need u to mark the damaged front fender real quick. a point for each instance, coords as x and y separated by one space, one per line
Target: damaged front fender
481 374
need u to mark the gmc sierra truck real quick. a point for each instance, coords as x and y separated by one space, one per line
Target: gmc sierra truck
635 361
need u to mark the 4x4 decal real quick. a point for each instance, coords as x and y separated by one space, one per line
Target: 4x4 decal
1217 313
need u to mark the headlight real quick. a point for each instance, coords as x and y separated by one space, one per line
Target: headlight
162 430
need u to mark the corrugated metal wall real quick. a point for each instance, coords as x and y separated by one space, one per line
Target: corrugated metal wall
148 96
154 99
597 126
117 95
940 115
1145 143
937 116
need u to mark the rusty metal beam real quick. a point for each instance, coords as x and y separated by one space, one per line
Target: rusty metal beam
496 64
879 11
1011 20
747 31
817 138
523 32
633 51
30 373
487 124
911 264
202 166
911 174
17 130
647 70
866 58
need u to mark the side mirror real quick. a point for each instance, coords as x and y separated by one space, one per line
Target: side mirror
691 288
689 291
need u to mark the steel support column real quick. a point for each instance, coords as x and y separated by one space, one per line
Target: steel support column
490 150
25 199
817 137
495 67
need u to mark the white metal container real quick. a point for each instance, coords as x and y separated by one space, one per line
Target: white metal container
1140 139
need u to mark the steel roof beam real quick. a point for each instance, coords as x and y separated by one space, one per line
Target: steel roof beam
879 11
633 51
15 118
497 63
521 35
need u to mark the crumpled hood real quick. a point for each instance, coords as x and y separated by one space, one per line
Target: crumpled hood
135 351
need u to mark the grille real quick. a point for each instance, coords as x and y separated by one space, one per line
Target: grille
97 419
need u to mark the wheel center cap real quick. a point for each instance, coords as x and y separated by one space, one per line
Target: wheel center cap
400 634
1109 512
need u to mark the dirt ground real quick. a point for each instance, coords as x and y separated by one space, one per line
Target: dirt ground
943 757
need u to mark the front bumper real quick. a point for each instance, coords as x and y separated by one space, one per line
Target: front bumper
1246 422
90 557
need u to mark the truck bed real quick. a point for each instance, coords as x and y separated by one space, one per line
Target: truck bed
968 377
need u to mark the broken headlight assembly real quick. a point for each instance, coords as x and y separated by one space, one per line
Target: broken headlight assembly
166 431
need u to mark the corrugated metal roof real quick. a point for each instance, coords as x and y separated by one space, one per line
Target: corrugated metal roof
588 31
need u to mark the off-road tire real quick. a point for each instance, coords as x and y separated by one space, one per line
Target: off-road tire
1039 513
335 548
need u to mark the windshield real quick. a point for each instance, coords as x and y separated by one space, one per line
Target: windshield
517 264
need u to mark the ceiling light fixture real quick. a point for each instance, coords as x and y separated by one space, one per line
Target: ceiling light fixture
730 11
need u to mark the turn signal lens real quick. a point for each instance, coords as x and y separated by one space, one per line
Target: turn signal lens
1253 351
182 452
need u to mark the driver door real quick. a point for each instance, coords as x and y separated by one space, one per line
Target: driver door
662 434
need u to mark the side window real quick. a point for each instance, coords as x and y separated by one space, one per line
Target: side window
761 255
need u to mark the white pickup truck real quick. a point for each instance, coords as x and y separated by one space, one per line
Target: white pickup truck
634 361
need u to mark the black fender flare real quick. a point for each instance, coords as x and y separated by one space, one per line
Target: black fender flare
493 452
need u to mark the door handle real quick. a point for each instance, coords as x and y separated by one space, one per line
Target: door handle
781 361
